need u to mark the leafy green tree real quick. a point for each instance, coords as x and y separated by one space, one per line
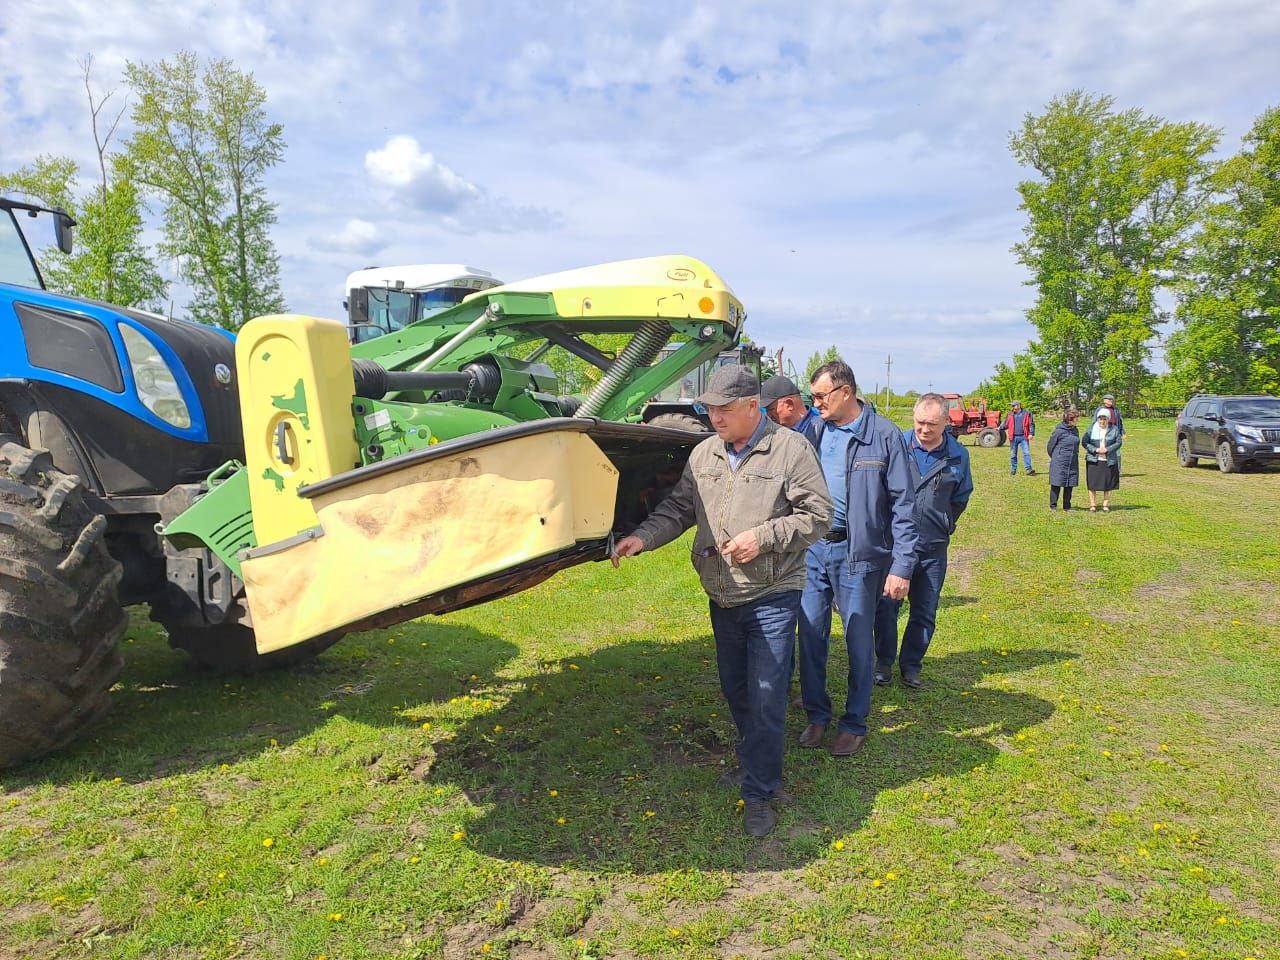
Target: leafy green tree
203 145
1229 340
1023 379
110 261
1109 217
819 358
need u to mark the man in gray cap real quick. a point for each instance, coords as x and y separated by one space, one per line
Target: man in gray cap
757 496
781 400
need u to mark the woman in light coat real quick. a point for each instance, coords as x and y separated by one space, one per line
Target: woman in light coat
1064 459
1101 444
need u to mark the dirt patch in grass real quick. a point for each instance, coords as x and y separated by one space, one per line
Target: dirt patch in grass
962 568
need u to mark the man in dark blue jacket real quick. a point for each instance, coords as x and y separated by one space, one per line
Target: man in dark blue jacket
943 484
869 551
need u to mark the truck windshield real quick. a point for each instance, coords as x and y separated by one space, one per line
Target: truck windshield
15 260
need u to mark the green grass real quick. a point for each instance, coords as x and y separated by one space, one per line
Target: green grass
1091 771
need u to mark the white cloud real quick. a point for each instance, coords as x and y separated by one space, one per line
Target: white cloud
356 236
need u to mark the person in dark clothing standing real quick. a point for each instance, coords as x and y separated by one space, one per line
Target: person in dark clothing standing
943 484
782 401
1019 427
1063 449
1101 444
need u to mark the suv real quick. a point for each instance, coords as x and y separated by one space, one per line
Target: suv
1234 430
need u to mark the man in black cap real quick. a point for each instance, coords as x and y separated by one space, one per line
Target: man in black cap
757 496
781 400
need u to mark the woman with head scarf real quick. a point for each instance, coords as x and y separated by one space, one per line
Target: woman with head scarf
1101 444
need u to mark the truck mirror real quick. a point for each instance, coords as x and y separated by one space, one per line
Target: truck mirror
63 229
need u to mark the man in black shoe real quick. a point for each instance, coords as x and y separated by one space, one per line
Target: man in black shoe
870 551
943 484
757 497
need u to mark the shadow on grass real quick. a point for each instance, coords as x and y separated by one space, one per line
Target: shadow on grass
950 601
608 763
169 716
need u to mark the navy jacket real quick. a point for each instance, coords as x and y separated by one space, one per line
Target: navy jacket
941 494
1063 449
879 498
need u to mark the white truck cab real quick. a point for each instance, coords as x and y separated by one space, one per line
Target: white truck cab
382 300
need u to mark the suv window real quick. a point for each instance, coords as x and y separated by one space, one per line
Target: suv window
1255 408
1196 408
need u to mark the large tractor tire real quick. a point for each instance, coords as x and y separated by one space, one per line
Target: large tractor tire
60 616
989 437
230 648
679 421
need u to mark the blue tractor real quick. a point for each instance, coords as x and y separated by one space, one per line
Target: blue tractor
111 422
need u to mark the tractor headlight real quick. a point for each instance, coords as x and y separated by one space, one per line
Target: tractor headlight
157 387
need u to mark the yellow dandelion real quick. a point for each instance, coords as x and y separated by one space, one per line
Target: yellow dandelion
1182 953
459 834
1164 748
648 814
574 666
390 641
1197 869
1220 921
1157 827
839 845
553 793
427 725
988 917
1143 852
497 728
222 874
439 791
117 780
742 803
877 882
268 842
499 905
335 917
415 859
1106 753
173 809
891 876
673 931
484 948
561 821
322 860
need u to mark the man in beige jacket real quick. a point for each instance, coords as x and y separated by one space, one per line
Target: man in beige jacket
756 493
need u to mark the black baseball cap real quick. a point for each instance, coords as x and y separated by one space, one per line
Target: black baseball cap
730 383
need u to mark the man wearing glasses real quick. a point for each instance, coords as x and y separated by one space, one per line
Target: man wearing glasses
869 552
756 494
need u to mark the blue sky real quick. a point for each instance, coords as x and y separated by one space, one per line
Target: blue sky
843 165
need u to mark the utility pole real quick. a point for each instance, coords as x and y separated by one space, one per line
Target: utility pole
888 391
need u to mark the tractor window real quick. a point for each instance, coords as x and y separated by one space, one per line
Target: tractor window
77 346
441 298
389 311
15 262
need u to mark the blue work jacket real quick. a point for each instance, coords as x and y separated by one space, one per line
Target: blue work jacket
942 493
879 498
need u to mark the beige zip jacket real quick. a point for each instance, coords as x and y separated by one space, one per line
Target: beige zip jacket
778 491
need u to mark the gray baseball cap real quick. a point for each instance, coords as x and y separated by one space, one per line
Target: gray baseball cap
730 383
777 387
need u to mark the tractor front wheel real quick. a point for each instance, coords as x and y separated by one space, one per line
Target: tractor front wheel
679 421
230 647
989 437
60 619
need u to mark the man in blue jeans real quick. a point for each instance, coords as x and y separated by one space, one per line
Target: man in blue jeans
756 494
943 484
1019 427
869 551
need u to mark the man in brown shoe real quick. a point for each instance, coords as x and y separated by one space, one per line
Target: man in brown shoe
756 495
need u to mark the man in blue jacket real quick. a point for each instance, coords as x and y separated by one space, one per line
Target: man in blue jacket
943 483
869 551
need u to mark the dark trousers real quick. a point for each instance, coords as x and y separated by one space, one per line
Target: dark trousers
855 593
755 653
922 616
1066 497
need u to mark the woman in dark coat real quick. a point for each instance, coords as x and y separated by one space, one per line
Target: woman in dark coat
1064 459
1101 444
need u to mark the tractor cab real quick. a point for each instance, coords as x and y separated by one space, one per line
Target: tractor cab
383 300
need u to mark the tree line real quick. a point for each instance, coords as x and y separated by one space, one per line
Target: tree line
197 155
1133 226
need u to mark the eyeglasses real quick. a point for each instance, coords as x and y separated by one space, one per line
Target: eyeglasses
822 397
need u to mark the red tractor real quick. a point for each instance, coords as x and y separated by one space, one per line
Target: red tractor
970 416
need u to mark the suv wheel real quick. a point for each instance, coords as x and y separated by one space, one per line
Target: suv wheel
1226 458
1184 453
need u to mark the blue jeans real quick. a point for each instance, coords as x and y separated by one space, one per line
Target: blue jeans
1014 444
926 589
755 653
856 593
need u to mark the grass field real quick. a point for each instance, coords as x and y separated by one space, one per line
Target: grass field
1093 770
